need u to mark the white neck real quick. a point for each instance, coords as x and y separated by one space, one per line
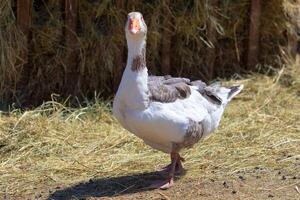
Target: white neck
135 48
133 88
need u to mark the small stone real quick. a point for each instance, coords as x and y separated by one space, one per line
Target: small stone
283 178
284 154
212 180
242 178
256 168
270 195
279 172
225 184
294 177
233 192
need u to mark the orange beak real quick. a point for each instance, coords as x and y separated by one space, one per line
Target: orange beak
134 25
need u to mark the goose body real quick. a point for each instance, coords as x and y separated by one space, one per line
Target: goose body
167 113
162 125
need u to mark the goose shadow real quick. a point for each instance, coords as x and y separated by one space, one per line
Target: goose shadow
108 187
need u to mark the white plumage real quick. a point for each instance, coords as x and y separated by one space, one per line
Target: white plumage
187 112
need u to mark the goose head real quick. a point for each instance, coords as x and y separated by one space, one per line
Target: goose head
135 28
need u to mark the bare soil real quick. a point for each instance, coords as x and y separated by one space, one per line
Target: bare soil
256 185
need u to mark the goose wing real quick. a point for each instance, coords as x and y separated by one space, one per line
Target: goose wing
168 89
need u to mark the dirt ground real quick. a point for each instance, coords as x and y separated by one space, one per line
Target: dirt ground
256 185
263 188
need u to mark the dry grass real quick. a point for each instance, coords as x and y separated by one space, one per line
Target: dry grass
11 46
102 46
54 145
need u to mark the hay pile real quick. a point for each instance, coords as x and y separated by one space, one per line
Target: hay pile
54 145
11 46
209 40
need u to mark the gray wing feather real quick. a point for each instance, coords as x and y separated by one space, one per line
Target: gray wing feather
169 89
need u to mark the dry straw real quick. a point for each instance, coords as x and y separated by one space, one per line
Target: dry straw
54 145
11 46
196 28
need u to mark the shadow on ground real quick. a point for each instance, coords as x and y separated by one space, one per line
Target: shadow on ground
107 187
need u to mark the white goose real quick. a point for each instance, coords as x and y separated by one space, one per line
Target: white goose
167 113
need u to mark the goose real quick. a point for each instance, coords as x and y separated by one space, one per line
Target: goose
167 113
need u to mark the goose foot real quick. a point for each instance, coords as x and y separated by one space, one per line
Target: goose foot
162 184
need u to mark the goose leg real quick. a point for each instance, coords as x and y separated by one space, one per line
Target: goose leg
178 168
169 182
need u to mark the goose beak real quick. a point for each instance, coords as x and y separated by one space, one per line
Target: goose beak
134 25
